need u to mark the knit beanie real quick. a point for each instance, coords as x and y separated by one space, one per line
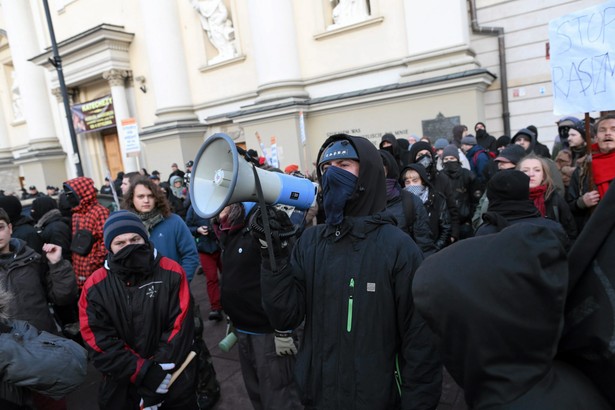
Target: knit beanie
12 206
121 222
418 147
469 140
508 185
440 143
451 151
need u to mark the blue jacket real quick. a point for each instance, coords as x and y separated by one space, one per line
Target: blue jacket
173 239
481 162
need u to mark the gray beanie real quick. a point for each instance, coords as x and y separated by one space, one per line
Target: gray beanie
451 151
440 143
469 139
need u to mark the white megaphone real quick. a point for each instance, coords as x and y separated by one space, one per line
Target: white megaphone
220 176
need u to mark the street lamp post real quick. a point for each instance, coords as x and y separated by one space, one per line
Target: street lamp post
57 63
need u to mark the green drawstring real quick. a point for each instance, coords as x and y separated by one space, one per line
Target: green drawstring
350 302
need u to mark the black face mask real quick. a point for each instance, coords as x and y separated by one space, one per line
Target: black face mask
452 166
132 261
72 198
480 133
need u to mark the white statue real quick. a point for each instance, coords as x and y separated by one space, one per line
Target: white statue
16 97
348 12
219 28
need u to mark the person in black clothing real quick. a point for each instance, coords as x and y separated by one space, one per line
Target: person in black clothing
466 188
51 225
23 226
422 153
539 149
389 143
405 205
117 183
484 139
34 193
106 188
350 280
176 172
265 354
416 181
509 203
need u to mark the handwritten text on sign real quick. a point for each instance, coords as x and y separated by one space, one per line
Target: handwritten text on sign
583 60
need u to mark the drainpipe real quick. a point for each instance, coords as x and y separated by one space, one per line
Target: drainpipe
499 32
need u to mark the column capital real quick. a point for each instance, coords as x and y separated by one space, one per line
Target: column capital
57 92
116 77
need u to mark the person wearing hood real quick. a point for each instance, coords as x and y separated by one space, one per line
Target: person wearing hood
561 140
539 149
389 143
23 225
137 322
350 280
483 138
499 319
466 188
417 182
88 219
422 153
477 156
404 147
580 195
50 225
406 207
568 159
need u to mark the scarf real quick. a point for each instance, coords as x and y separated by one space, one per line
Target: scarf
392 189
132 262
537 194
150 219
603 166
337 187
419 190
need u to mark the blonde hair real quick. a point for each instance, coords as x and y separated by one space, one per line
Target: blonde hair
546 172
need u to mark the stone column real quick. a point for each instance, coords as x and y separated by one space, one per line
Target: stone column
275 50
117 81
32 84
165 52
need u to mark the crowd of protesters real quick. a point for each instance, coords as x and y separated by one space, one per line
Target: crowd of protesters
336 308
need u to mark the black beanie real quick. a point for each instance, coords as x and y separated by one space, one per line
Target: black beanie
417 147
12 206
121 222
508 185
42 205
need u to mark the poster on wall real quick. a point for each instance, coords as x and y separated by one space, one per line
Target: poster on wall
582 55
93 115
130 134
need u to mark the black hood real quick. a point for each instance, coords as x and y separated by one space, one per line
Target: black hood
528 133
394 148
498 317
369 196
390 163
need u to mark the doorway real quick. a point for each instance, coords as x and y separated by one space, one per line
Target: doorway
113 152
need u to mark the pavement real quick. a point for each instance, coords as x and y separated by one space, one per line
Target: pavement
233 393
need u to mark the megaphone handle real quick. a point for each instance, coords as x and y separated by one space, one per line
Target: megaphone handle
265 216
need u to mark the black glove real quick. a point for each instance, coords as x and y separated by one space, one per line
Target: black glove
151 383
283 232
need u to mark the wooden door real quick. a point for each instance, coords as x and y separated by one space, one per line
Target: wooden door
113 154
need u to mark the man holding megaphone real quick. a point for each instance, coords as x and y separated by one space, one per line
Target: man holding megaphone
350 279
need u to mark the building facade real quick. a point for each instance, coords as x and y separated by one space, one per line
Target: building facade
291 72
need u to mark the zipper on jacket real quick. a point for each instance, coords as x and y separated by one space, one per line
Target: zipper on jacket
350 303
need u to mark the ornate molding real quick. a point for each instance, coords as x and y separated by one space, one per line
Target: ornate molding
72 92
116 77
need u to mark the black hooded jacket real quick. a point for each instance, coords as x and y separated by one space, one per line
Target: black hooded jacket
502 320
351 284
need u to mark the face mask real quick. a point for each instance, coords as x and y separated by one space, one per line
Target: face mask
337 187
480 133
452 166
418 190
424 160
133 259
72 198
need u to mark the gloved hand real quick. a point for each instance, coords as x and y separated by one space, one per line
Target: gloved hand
155 384
282 232
284 343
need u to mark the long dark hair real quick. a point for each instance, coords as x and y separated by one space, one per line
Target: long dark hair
162 204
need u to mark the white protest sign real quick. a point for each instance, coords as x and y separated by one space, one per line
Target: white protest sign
130 133
582 48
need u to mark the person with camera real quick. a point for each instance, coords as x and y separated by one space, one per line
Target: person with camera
137 322
350 279
266 355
